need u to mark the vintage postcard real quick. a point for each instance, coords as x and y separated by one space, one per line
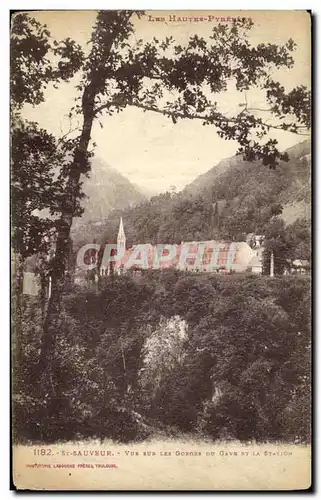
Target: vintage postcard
161 250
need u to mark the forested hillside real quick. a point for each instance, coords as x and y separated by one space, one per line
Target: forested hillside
225 357
232 199
249 190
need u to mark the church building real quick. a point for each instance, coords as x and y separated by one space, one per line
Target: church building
216 256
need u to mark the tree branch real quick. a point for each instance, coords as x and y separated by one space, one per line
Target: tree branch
209 118
177 114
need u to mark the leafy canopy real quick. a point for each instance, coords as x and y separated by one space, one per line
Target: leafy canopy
38 159
182 81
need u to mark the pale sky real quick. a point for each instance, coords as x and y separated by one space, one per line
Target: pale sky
148 148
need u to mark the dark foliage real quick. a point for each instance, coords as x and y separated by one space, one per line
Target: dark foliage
242 370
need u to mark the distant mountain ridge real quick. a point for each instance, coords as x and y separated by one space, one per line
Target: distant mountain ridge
235 179
106 190
232 199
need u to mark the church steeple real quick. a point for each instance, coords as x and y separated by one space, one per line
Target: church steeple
121 246
121 238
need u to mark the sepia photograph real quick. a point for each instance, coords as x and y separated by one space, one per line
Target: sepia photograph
160 199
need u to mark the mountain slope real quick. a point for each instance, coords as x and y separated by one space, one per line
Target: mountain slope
106 190
231 200
251 185
203 181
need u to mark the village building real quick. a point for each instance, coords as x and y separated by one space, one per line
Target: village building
31 284
300 266
217 256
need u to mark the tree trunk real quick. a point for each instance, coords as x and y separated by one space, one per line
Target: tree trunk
18 283
78 167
